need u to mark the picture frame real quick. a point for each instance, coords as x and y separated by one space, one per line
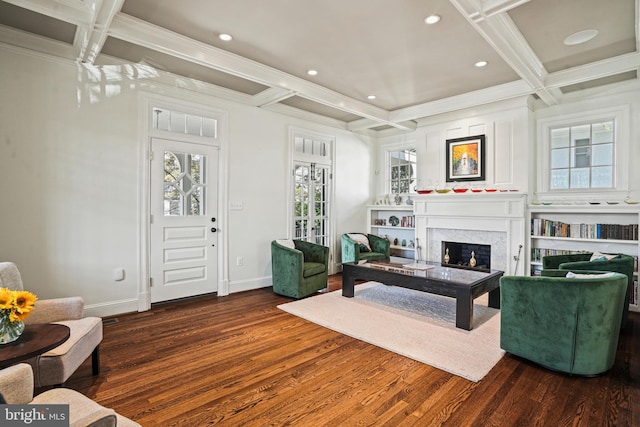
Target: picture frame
466 159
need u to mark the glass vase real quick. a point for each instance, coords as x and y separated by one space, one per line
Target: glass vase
10 331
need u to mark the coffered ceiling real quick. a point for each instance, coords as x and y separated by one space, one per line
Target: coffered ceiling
359 48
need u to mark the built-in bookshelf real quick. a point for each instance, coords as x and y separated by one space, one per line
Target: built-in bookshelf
397 224
567 229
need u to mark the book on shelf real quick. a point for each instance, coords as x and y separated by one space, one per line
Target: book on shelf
548 228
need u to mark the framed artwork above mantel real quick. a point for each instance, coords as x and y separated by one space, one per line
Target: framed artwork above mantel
466 159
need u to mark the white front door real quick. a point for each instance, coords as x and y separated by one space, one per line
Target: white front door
183 230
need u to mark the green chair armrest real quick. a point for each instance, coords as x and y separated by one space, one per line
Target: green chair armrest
379 244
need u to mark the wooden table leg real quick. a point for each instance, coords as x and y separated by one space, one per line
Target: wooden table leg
464 310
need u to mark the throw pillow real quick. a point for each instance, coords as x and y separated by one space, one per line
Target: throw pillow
597 256
286 242
361 240
572 275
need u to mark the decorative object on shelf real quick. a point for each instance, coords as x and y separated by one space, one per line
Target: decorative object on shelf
398 199
394 220
490 190
465 159
409 201
395 241
446 256
442 190
404 242
411 244
429 191
15 306
460 190
472 261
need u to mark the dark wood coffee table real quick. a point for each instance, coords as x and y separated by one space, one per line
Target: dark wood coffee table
35 340
462 284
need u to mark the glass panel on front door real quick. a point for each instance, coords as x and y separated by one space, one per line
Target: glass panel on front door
311 200
184 186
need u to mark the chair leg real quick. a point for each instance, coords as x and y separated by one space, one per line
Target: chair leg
95 360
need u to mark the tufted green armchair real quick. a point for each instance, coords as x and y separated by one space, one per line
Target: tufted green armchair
352 250
621 264
569 325
300 271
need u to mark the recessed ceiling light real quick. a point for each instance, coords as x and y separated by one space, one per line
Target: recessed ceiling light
225 37
312 72
481 64
580 37
371 97
431 19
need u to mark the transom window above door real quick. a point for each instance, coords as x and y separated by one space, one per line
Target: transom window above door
184 123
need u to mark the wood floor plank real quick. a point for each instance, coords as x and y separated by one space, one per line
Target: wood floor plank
239 360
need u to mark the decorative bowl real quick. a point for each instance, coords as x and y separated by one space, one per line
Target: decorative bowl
460 190
477 190
442 190
490 190
424 191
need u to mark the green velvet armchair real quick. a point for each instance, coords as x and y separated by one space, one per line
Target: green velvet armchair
375 247
573 262
569 325
301 271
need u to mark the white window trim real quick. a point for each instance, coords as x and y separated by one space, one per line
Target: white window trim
621 117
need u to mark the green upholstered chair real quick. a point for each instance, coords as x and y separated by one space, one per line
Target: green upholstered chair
378 248
298 271
569 325
620 264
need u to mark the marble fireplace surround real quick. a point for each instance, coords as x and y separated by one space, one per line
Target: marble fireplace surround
496 219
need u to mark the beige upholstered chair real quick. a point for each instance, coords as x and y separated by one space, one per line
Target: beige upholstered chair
16 387
57 365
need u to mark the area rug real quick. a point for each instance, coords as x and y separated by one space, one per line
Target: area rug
415 324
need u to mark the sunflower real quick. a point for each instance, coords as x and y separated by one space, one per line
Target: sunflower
6 299
16 305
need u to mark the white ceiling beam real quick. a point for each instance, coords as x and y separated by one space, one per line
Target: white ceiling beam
493 7
92 38
595 70
36 43
502 92
272 95
136 31
72 11
504 37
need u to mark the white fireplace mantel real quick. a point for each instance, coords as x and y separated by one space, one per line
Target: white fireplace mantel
497 219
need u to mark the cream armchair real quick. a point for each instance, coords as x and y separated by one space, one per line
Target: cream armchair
57 365
16 387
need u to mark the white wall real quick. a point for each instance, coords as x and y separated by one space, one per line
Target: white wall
506 128
69 196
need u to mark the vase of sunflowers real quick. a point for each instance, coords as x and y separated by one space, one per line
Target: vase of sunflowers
15 306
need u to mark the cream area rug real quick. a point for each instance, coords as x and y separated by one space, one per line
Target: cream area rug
415 324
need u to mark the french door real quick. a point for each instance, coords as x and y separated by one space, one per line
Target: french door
183 230
311 205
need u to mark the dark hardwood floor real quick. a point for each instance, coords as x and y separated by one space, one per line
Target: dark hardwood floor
240 361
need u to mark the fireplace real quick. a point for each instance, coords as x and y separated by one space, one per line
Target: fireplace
493 219
470 256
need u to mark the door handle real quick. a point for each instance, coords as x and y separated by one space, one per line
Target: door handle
213 219
213 229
